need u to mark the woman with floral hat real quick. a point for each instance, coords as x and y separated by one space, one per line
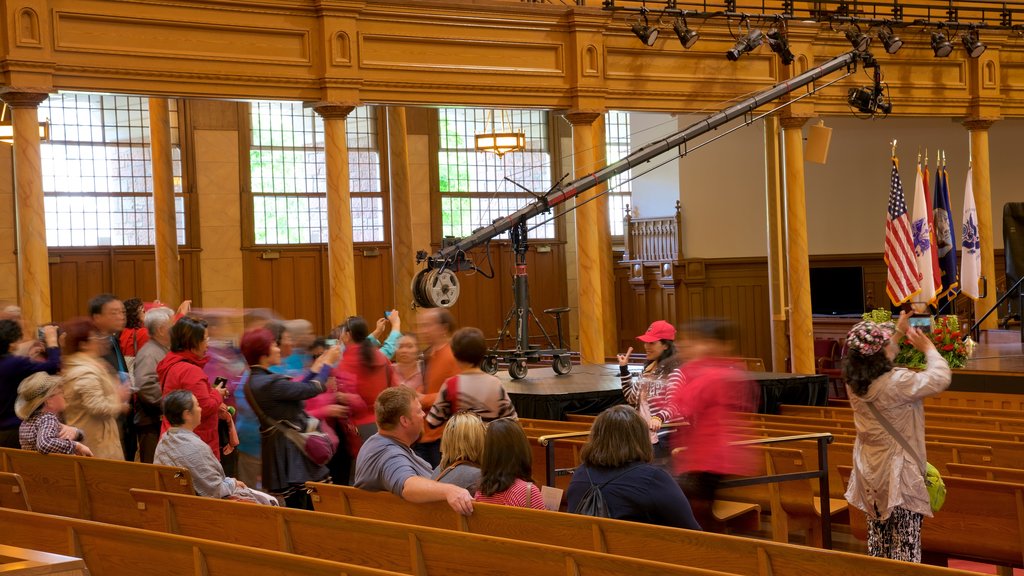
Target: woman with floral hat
887 483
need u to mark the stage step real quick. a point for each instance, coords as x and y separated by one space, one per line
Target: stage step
1000 336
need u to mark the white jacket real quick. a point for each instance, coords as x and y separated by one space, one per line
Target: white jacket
884 475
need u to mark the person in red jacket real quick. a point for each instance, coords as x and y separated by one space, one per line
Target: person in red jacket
363 373
182 369
710 387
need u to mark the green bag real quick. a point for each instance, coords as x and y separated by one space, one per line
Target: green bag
936 487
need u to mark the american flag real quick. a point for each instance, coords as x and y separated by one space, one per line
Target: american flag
904 280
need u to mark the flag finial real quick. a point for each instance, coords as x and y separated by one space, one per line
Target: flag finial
893 147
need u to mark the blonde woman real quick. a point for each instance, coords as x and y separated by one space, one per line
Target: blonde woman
462 445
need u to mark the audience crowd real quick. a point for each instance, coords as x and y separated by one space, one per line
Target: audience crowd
256 409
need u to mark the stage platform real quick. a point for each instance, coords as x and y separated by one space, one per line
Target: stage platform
591 388
996 368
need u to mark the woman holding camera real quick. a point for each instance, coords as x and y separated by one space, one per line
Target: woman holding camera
887 482
182 369
14 369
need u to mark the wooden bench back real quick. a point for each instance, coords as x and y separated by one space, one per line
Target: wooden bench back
628 539
948 420
12 492
981 520
110 550
400 547
89 488
1012 475
995 400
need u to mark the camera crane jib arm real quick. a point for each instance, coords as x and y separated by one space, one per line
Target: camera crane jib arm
436 285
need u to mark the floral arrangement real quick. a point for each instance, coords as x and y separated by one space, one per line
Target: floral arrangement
952 342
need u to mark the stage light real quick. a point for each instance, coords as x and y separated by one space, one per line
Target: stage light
889 39
748 42
779 44
973 44
687 36
941 45
859 40
643 29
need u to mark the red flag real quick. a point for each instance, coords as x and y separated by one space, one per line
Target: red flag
903 279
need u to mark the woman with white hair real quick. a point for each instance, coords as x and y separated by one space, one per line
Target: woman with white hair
148 392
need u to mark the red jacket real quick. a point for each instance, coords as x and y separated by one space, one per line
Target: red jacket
711 389
367 382
184 371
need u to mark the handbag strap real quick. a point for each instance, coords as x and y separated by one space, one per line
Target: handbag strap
899 437
451 467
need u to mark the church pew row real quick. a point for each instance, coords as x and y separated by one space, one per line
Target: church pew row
89 488
12 492
994 400
954 421
16 561
730 554
954 409
981 520
1012 475
111 550
388 545
931 427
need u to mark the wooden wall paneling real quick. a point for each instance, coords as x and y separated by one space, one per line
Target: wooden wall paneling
75 277
375 291
134 276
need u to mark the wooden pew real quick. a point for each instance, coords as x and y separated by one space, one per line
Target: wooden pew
399 547
12 492
110 550
978 400
799 506
629 539
955 421
23 562
89 488
1012 475
966 435
981 520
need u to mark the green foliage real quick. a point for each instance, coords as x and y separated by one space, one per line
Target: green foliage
951 342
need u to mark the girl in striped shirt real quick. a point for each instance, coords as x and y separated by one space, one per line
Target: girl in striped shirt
506 468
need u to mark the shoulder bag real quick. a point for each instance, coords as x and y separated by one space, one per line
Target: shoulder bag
932 479
314 444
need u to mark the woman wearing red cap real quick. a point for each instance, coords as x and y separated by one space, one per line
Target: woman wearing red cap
648 392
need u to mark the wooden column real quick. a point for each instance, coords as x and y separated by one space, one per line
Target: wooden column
777 279
801 328
604 233
590 248
168 269
340 251
30 212
982 185
403 251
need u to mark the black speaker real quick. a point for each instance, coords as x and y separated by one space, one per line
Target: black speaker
1013 246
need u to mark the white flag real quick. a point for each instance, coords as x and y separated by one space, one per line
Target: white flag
970 257
922 232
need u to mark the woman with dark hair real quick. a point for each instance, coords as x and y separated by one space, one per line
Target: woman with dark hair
649 391
14 369
182 369
363 373
277 398
95 396
506 468
887 482
617 460
710 388
134 336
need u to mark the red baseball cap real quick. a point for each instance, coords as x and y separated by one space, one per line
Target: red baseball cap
658 330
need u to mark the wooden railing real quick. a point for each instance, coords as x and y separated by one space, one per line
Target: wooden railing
653 240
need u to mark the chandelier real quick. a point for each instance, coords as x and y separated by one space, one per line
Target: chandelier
501 139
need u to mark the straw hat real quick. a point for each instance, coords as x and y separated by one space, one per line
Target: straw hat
33 391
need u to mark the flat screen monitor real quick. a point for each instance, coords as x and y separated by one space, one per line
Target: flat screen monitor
837 291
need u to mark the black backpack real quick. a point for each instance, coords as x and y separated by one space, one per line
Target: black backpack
592 503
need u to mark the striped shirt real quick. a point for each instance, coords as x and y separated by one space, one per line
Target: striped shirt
651 389
41 433
515 495
478 392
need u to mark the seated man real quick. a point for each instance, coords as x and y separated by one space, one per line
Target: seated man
181 447
387 462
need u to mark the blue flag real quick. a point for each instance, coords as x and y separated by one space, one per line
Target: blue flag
944 242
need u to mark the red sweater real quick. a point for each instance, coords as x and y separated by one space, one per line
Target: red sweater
365 381
711 389
184 371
